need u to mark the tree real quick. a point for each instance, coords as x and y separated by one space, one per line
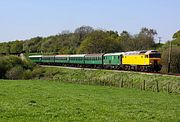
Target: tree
142 41
145 39
126 41
99 42
33 45
176 38
65 32
175 60
5 47
176 35
82 32
16 47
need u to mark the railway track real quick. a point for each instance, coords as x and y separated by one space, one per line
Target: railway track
149 73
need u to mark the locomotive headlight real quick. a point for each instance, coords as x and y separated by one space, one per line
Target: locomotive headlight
151 61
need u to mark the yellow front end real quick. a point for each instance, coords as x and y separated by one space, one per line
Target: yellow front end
135 60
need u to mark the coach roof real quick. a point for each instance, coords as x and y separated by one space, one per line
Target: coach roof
94 55
80 55
35 56
113 54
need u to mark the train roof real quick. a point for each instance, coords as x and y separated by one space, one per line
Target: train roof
78 55
62 55
140 52
151 51
94 55
35 56
112 54
48 56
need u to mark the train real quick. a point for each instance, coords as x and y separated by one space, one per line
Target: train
143 60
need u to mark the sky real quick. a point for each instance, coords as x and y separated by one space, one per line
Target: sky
25 19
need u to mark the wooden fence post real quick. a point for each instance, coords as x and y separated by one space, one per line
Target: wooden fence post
132 85
168 87
157 85
122 83
144 85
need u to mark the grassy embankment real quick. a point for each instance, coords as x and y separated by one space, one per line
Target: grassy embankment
135 80
40 100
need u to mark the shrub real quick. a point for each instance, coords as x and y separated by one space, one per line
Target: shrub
15 73
37 73
27 74
7 64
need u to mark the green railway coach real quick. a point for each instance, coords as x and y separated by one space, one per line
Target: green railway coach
76 59
112 59
48 59
62 59
94 59
36 58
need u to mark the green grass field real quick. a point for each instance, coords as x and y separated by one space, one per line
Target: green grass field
38 100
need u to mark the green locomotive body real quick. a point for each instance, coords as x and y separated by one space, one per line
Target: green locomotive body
112 59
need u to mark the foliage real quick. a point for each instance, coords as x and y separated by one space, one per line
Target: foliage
82 32
33 45
142 41
175 60
175 54
9 65
100 42
5 47
15 73
176 38
16 46
11 47
176 35
82 38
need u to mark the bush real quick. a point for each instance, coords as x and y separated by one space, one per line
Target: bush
37 73
15 73
27 74
8 65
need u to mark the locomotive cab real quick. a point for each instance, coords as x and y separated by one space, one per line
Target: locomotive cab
154 59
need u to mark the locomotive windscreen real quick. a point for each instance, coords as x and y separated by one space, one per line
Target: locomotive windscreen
156 55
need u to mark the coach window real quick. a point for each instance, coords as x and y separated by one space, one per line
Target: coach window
146 56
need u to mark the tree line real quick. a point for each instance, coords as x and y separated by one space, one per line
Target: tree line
86 39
